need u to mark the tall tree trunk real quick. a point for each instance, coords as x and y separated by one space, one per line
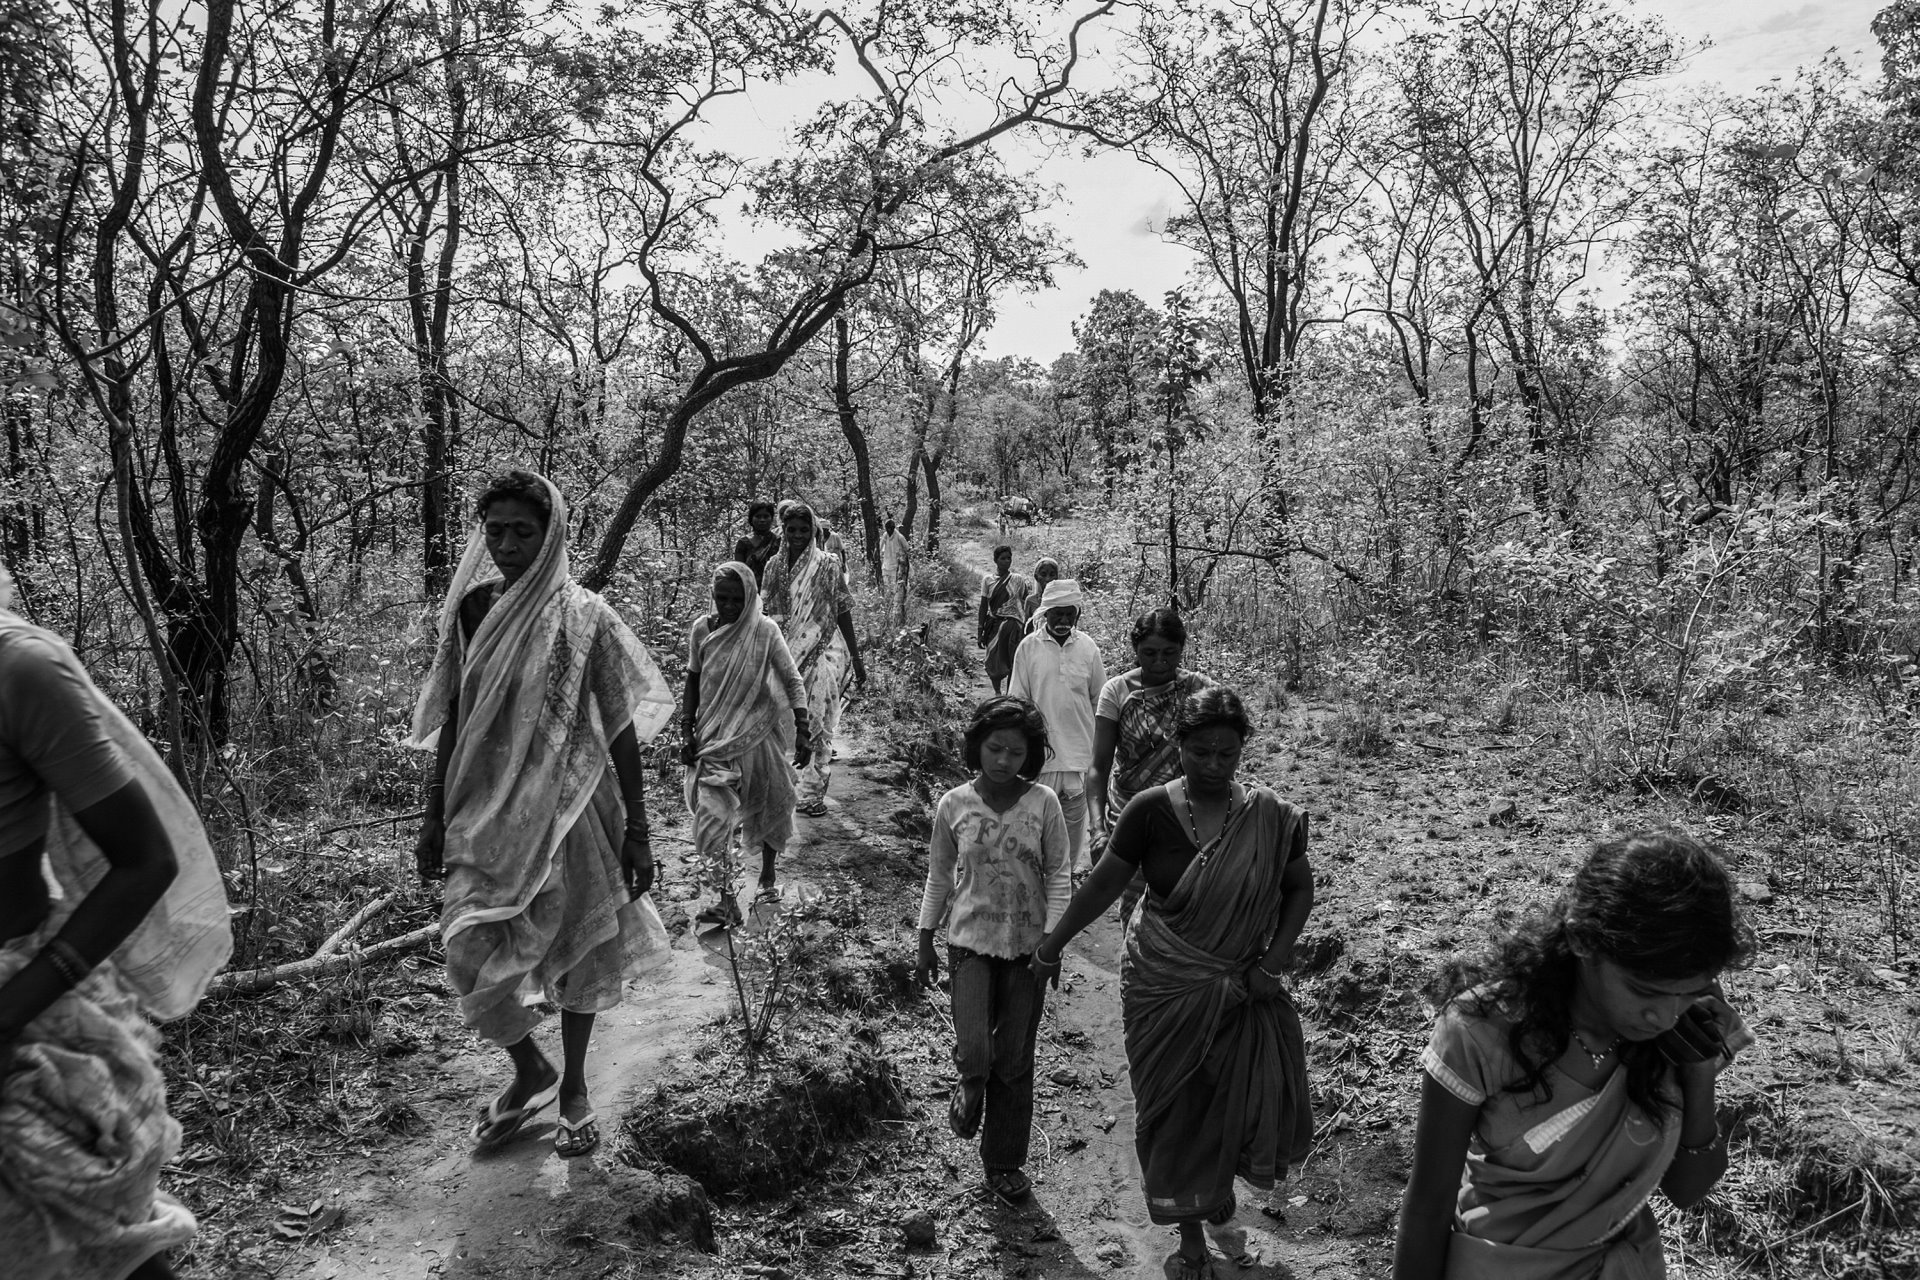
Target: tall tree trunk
856 442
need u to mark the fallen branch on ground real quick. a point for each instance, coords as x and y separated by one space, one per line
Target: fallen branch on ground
352 926
253 981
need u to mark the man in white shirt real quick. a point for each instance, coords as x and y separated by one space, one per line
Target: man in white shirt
1058 668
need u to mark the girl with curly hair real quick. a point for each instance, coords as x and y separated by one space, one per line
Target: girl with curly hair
1571 1071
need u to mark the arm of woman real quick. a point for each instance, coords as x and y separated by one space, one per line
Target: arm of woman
1426 1210
794 685
1100 890
985 617
689 718
1701 1160
1296 903
845 622
636 845
140 866
943 855
1106 740
430 848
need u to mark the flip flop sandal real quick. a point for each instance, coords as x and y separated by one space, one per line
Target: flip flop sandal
724 914
576 1138
498 1122
812 808
1011 1185
1186 1268
964 1109
769 893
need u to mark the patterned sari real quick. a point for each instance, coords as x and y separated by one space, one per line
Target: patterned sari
84 1129
807 598
1219 1082
748 689
1147 754
534 904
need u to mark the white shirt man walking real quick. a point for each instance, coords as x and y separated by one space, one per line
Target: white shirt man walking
1058 668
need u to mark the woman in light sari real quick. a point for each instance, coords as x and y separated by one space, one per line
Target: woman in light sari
804 589
134 930
1215 1052
1572 1071
1134 743
1006 602
746 708
536 687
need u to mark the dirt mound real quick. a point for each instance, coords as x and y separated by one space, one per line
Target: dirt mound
764 1134
615 1204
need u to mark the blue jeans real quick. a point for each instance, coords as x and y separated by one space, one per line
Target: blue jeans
996 1020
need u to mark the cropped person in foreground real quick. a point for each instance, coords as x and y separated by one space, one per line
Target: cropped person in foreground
1571 1072
997 878
136 930
1215 1052
536 705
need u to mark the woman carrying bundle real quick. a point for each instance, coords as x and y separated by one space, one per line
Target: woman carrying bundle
537 686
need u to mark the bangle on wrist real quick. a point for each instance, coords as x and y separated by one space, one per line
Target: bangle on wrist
66 958
1705 1148
1270 973
1042 959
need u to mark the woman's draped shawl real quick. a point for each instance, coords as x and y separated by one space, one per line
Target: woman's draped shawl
169 958
1147 752
550 678
741 699
1186 970
1568 1200
84 1129
814 594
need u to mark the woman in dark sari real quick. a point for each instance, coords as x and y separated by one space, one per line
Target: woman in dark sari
1214 1048
1134 743
1006 601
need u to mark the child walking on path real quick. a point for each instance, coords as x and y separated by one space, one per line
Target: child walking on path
1572 1071
998 876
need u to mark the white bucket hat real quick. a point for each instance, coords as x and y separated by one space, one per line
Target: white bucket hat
1060 593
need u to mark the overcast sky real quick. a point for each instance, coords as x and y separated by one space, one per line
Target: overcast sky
1110 206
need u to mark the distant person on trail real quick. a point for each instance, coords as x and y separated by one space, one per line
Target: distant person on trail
1006 599
828 539
997 878
135 931
1134 743
761 542
1046 569
1060 670
805 590
1215 1053
535 708
896 562
1572 1070
745 715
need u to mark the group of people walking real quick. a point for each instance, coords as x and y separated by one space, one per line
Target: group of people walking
1571 1070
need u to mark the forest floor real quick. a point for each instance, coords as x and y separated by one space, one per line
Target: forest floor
328 1139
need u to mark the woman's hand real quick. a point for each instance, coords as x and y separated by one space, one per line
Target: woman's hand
802 740
1262 986
859 674
926 969
429 849
1045 972
689 748
636 862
